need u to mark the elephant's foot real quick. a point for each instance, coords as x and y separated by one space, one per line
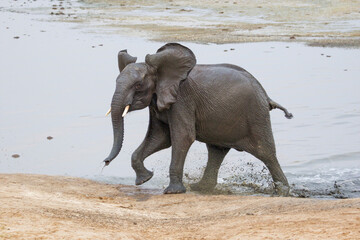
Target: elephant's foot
143 177
175 188
203 186
281 189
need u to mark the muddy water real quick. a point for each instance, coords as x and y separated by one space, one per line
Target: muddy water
58 81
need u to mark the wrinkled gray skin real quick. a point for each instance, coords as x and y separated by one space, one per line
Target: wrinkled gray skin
221 105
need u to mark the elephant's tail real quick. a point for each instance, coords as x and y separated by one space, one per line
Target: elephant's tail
274 105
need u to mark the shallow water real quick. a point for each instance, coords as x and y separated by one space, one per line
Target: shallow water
56 80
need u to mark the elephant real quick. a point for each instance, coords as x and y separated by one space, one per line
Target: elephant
221 105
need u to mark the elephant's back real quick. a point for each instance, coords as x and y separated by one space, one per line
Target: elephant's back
226 80
227 99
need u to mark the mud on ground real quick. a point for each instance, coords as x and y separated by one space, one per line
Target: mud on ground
319 23
49 207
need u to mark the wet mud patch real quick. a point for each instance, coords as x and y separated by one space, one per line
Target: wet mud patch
340 189
253 179
139 193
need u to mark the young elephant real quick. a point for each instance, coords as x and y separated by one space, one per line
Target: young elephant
221 105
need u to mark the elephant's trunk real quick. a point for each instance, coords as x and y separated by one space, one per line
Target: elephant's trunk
118 128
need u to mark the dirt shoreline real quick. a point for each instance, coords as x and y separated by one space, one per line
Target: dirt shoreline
330 23
56 207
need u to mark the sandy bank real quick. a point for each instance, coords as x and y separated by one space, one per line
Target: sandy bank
48 207
319 23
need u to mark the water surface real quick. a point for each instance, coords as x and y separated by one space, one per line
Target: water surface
58 81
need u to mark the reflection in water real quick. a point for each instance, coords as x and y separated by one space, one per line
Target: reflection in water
55 83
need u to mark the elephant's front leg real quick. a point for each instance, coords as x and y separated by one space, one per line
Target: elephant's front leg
181 138
156 139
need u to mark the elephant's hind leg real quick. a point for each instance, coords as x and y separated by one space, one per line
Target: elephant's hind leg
156 139
209 179
263 147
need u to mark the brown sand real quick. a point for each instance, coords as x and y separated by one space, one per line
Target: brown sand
48 207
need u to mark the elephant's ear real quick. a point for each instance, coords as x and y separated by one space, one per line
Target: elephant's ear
173 63
124 59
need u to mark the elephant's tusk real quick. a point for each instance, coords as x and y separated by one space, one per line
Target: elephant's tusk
108 112
126 110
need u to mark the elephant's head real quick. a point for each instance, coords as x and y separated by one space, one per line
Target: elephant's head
137 84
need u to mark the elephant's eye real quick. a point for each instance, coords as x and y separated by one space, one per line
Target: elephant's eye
138 86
